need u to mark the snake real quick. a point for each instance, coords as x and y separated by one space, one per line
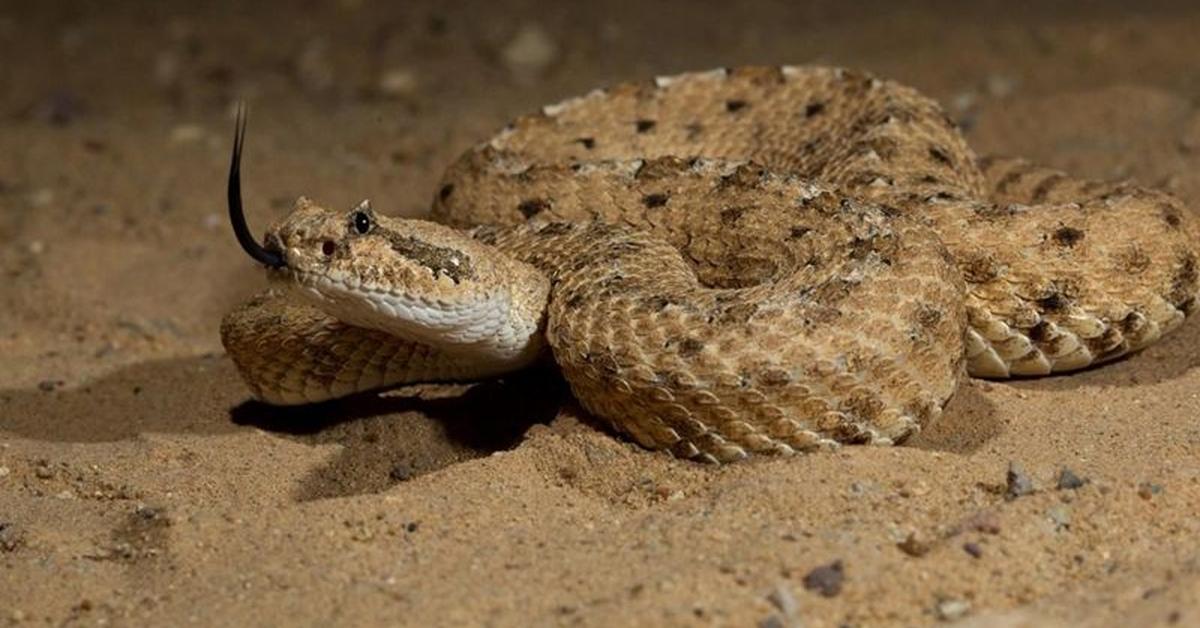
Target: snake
726 264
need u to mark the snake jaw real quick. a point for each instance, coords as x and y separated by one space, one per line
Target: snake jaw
237 217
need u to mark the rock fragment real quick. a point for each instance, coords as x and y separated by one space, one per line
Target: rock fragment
914 546
1067 480
950 609
826 580
1147 490
529 53
782 599
1017 482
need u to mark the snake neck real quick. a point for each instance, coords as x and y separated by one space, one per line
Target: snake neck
500 332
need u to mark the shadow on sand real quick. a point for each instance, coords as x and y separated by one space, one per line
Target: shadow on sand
401 434
386 438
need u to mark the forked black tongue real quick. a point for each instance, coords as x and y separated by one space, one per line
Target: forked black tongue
236 216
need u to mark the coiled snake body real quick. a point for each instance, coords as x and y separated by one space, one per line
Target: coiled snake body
760 260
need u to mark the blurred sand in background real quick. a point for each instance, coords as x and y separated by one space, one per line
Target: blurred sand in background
138 486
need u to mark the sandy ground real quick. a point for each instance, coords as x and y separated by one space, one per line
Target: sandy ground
139 486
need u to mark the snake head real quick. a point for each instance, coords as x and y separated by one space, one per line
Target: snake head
376 253
411 278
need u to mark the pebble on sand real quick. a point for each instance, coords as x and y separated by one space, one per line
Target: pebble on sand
951 609
1000 86
1147 490
1017 482
11 537
398 82
1060 515
1067 480
826 580
914 546
529 53
782 599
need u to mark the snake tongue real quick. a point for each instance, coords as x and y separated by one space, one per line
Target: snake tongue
236 216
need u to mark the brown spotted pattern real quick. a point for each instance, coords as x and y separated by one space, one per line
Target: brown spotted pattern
766 260
1061 272
729 330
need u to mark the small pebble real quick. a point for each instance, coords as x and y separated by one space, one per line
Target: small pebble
914 546
858 488
826 580
398 82
400 472
530 52
10 537
1000 86
952 609
781 598
1060 515
1067 480
973 549
1017 482
964 101
1146 490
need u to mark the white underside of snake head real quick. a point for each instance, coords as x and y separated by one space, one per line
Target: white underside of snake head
410 279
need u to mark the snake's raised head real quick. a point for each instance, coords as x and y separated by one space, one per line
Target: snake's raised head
368 253
411 278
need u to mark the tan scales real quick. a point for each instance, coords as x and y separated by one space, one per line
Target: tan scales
750 261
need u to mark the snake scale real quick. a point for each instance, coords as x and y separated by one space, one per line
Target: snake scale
759 260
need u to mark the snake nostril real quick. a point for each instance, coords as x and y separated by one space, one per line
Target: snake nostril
328 247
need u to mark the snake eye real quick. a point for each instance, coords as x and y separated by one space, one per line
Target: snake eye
362 222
